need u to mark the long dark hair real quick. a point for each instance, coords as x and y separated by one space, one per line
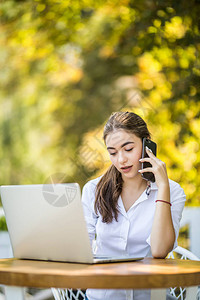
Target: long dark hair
110 185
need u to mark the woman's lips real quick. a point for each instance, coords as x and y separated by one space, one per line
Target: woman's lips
126 169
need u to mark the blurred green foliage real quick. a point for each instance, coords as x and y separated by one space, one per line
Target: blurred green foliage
3 225
66 65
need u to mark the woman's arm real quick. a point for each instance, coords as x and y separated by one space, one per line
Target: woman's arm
162 233
88 198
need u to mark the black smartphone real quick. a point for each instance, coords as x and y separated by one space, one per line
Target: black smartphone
152 146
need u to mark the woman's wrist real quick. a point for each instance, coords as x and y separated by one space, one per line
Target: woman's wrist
163 201
164 185
164 192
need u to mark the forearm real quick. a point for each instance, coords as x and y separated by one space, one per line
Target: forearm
162 234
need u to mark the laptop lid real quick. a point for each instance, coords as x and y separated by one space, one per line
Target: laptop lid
46 222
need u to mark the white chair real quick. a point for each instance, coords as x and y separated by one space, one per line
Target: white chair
180 293
68 294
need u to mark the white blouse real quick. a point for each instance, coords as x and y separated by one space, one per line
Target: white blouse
130 234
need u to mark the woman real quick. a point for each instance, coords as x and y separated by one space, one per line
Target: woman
126 213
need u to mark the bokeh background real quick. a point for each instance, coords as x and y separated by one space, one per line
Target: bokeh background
66 65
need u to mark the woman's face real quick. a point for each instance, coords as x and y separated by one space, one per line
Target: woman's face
125 150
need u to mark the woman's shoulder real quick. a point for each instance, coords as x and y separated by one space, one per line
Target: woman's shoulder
89 190
91 184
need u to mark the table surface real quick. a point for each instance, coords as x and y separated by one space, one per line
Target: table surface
146 273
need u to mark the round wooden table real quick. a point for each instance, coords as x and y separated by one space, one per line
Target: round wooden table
146 273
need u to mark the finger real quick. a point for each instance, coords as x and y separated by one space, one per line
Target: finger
145 159
150 153
153 161
146 170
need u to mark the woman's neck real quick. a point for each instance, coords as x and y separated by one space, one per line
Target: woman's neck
131 191
134 183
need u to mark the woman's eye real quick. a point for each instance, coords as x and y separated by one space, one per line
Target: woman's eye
112 153
129 149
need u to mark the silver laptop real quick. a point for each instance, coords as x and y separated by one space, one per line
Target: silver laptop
46 222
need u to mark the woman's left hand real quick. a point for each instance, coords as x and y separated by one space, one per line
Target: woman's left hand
158 168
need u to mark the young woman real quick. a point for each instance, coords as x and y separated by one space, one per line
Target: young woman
126 213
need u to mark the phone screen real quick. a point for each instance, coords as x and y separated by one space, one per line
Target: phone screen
151 145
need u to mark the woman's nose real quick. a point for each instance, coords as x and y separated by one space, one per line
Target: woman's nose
122 158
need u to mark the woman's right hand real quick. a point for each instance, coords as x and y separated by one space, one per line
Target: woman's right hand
158 169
